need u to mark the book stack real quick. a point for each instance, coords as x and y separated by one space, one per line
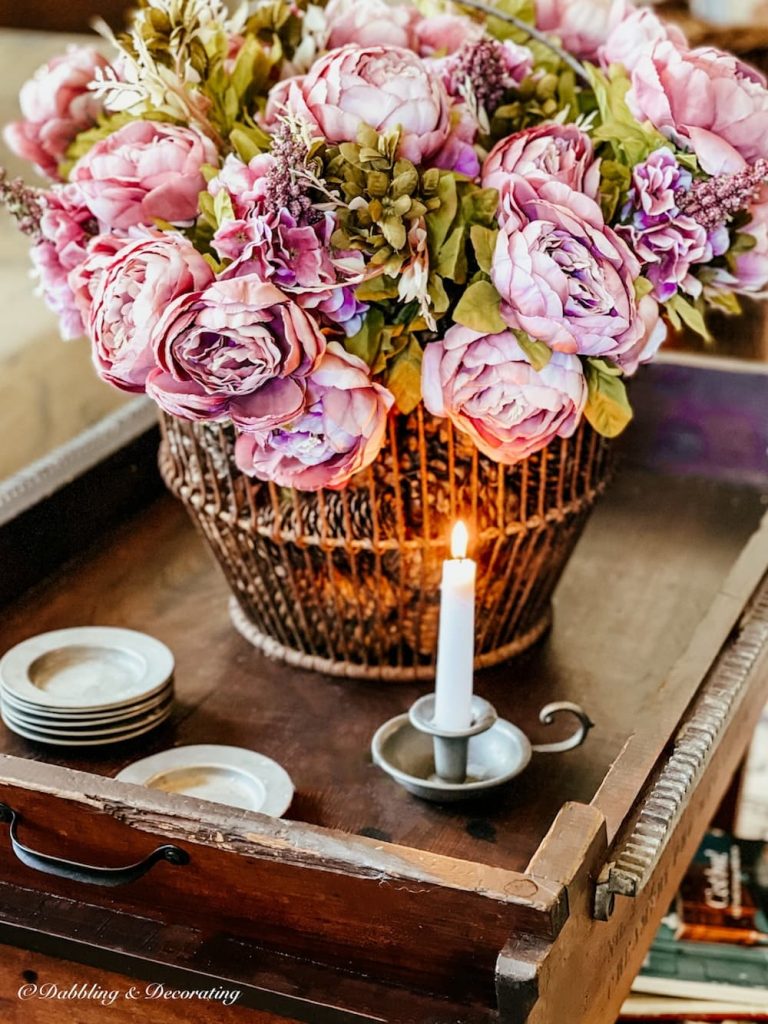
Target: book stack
709 960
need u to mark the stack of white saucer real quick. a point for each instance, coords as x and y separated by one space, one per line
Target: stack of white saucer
86 687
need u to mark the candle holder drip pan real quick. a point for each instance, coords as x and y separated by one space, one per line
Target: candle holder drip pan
446 766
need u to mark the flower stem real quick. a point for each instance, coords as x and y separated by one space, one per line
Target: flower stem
530 30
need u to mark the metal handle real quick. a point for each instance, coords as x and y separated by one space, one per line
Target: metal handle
547 717
86 873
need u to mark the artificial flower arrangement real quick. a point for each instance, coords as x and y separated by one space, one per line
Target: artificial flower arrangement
304 219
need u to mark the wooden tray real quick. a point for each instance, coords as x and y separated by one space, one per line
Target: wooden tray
368 904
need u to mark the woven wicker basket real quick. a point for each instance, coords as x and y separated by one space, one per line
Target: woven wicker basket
347 582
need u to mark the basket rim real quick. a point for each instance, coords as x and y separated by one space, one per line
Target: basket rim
277 651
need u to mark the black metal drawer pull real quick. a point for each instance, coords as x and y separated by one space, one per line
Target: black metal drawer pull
85 872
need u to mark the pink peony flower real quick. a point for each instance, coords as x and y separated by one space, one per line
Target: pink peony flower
66 227
636 35
582 26
385 87
57 106
548 152
132 292
650 340
705 100
245 184
238 348
444 34
487 387
84 277
145 170
564 276
371 23
340 431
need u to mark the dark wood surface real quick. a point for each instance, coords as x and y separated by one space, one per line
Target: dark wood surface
63 525
127 949
647 569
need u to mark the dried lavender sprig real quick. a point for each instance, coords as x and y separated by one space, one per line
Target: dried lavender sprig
23 203
713 203
287 187
531 31
482 66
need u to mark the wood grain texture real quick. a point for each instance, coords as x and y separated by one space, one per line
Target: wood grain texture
650 563
20 969
183 957
585 974
420 897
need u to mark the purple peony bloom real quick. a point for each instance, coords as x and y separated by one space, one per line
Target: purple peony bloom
340 430
564 276
667 241
239 348
298 259
488 388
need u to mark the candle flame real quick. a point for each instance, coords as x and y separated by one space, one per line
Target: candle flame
459 540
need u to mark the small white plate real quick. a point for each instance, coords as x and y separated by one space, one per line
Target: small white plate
50 716
49 741
87 668
223 775
55 732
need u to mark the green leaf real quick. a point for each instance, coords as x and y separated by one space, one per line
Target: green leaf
394 231
607 409
366 343
222 207
438 295
484 244
615 182
725 302
680 309
480 206
439 221
632 142
523 9
643 287
377 289
403 377
538 353
248 141
242 73
452 258
478 309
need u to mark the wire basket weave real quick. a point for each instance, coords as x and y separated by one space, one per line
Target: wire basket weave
347 582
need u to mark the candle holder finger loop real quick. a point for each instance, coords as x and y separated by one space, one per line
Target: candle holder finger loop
547 716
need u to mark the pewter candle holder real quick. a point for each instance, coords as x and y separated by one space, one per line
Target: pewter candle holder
443 766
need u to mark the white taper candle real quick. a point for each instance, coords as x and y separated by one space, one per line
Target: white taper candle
456 640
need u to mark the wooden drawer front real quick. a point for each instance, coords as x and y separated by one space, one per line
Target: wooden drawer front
423 920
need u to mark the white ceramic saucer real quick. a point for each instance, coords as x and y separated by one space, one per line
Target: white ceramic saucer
113 731
28 734
87 668
51 716
224 775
